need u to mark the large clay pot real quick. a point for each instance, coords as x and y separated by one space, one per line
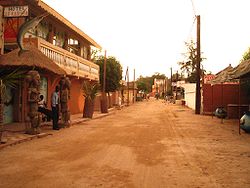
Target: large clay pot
88 109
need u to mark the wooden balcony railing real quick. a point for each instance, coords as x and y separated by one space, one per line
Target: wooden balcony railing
71 63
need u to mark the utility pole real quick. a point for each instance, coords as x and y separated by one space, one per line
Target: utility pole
104 106
198 70
176 90
127 73
134 88
171 80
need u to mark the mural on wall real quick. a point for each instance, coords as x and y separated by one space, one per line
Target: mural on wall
11 29
44 88
8 106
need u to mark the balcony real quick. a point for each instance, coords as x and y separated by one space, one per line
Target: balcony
71 63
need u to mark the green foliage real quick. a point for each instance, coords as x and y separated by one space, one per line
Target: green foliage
246 55
90 90
113 73
158 76
9 78
189 63
145 83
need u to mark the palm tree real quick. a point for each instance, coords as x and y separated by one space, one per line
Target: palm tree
90 91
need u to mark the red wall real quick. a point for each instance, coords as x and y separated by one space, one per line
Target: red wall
220 95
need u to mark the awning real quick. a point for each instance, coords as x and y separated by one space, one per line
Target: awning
31 58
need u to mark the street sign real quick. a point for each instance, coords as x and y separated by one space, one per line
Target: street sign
16 11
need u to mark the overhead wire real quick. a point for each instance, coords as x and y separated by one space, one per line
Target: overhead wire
189 36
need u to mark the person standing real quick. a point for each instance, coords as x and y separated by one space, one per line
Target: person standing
55 108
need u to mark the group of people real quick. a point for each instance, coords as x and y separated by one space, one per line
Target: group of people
54 114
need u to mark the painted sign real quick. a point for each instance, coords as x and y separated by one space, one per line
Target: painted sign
207 78
16 11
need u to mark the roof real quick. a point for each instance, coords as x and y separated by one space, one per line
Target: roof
31 58
242 70
51 11
224 76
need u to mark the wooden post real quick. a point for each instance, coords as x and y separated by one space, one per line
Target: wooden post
104 106
171 80
239 101
134 88
127 87
1 31
212 100
198 70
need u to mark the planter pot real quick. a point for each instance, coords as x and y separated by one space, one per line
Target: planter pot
88 109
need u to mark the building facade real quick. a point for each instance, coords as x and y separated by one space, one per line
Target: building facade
55 37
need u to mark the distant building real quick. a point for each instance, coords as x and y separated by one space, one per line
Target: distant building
159 86
129 92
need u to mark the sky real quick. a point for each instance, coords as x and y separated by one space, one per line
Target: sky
149 35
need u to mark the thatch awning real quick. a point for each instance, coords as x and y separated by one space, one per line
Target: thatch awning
31 58
242 70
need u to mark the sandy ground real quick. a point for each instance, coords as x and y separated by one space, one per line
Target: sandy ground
149 144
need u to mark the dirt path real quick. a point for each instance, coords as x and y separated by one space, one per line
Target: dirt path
149 144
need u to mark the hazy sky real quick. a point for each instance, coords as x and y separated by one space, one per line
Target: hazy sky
149 35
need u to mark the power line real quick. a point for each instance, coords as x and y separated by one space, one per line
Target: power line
191 28
194 10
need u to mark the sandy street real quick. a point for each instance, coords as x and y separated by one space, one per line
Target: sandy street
146 145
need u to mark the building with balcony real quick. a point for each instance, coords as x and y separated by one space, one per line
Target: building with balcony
56 48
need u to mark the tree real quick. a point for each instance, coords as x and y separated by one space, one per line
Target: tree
246 55
189 64
90 91
145 83
113 73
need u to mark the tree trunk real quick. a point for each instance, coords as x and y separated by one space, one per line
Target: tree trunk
88 109
110 101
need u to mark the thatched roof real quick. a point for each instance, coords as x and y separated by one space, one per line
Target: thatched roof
31 58
242 70
223 76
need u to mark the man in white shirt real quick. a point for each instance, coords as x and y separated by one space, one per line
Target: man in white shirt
55 108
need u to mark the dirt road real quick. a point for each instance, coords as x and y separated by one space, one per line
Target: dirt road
147 145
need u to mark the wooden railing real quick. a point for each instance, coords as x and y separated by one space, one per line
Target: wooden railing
71 63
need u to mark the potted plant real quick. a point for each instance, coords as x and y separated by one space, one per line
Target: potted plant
90 91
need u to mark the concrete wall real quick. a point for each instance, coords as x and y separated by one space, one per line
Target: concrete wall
189 94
